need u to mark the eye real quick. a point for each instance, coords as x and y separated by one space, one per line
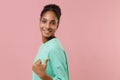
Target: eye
53 23
43 21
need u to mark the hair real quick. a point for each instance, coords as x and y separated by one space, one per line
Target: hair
52 7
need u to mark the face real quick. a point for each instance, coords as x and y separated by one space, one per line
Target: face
48 24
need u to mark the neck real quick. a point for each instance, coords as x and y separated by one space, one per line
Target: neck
44 39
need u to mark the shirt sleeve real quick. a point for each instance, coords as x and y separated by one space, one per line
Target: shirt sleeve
59 64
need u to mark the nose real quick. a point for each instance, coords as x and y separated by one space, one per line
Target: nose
47 25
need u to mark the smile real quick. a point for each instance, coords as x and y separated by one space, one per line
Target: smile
47 31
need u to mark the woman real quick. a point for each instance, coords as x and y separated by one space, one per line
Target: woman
51 61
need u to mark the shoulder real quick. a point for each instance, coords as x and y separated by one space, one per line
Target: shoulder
55 44
53 48
56 47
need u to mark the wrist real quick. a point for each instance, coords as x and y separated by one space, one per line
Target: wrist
46 77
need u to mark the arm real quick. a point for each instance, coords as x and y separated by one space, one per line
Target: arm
59 65
40 69
46 77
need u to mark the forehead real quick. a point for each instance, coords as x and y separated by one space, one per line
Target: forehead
49 15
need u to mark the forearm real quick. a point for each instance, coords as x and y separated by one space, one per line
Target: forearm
46 77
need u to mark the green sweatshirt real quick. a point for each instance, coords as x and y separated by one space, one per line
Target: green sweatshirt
57 66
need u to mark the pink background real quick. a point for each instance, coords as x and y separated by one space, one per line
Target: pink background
89 31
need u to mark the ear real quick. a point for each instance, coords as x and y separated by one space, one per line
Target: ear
57 25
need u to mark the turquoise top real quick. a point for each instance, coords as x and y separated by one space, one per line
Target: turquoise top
57 66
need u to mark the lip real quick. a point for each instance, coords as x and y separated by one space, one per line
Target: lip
47 31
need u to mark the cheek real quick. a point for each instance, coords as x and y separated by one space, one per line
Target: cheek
55 29
41 26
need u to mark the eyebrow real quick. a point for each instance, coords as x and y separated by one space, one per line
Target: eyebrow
50 20
53 20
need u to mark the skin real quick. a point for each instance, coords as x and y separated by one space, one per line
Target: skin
48 26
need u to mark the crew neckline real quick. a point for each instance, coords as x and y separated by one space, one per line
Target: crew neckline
49 41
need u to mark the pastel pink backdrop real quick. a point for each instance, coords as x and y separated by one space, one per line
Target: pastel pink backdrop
89 31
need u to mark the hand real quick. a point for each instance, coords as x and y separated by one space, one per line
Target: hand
39 68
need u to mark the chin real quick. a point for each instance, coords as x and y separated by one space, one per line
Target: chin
46 36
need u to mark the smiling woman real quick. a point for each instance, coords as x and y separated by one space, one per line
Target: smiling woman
51 61
48 25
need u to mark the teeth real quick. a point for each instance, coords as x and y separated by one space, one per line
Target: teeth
47 31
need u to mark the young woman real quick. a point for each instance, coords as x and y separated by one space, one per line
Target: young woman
51 61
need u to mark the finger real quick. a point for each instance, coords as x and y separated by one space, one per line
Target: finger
38 61
46 61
